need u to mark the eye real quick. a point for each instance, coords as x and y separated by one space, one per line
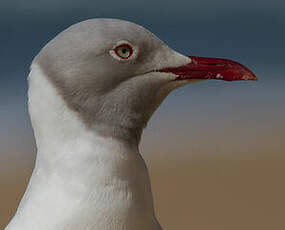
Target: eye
124 51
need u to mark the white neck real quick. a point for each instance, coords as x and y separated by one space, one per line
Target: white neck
81 180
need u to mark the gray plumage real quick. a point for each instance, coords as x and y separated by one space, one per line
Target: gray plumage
109 95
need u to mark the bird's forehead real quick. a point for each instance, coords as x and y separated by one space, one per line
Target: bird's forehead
108 31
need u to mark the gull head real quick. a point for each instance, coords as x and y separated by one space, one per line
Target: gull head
114 74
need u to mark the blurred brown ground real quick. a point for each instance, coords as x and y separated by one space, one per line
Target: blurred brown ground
211 192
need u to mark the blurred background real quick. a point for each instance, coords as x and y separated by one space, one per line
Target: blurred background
215 150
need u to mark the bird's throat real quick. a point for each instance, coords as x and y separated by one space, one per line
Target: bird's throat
81 179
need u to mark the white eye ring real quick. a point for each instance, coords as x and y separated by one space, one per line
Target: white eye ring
123 51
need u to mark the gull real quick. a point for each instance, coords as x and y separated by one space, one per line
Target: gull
92 90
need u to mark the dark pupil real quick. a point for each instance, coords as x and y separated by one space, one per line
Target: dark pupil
124 50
